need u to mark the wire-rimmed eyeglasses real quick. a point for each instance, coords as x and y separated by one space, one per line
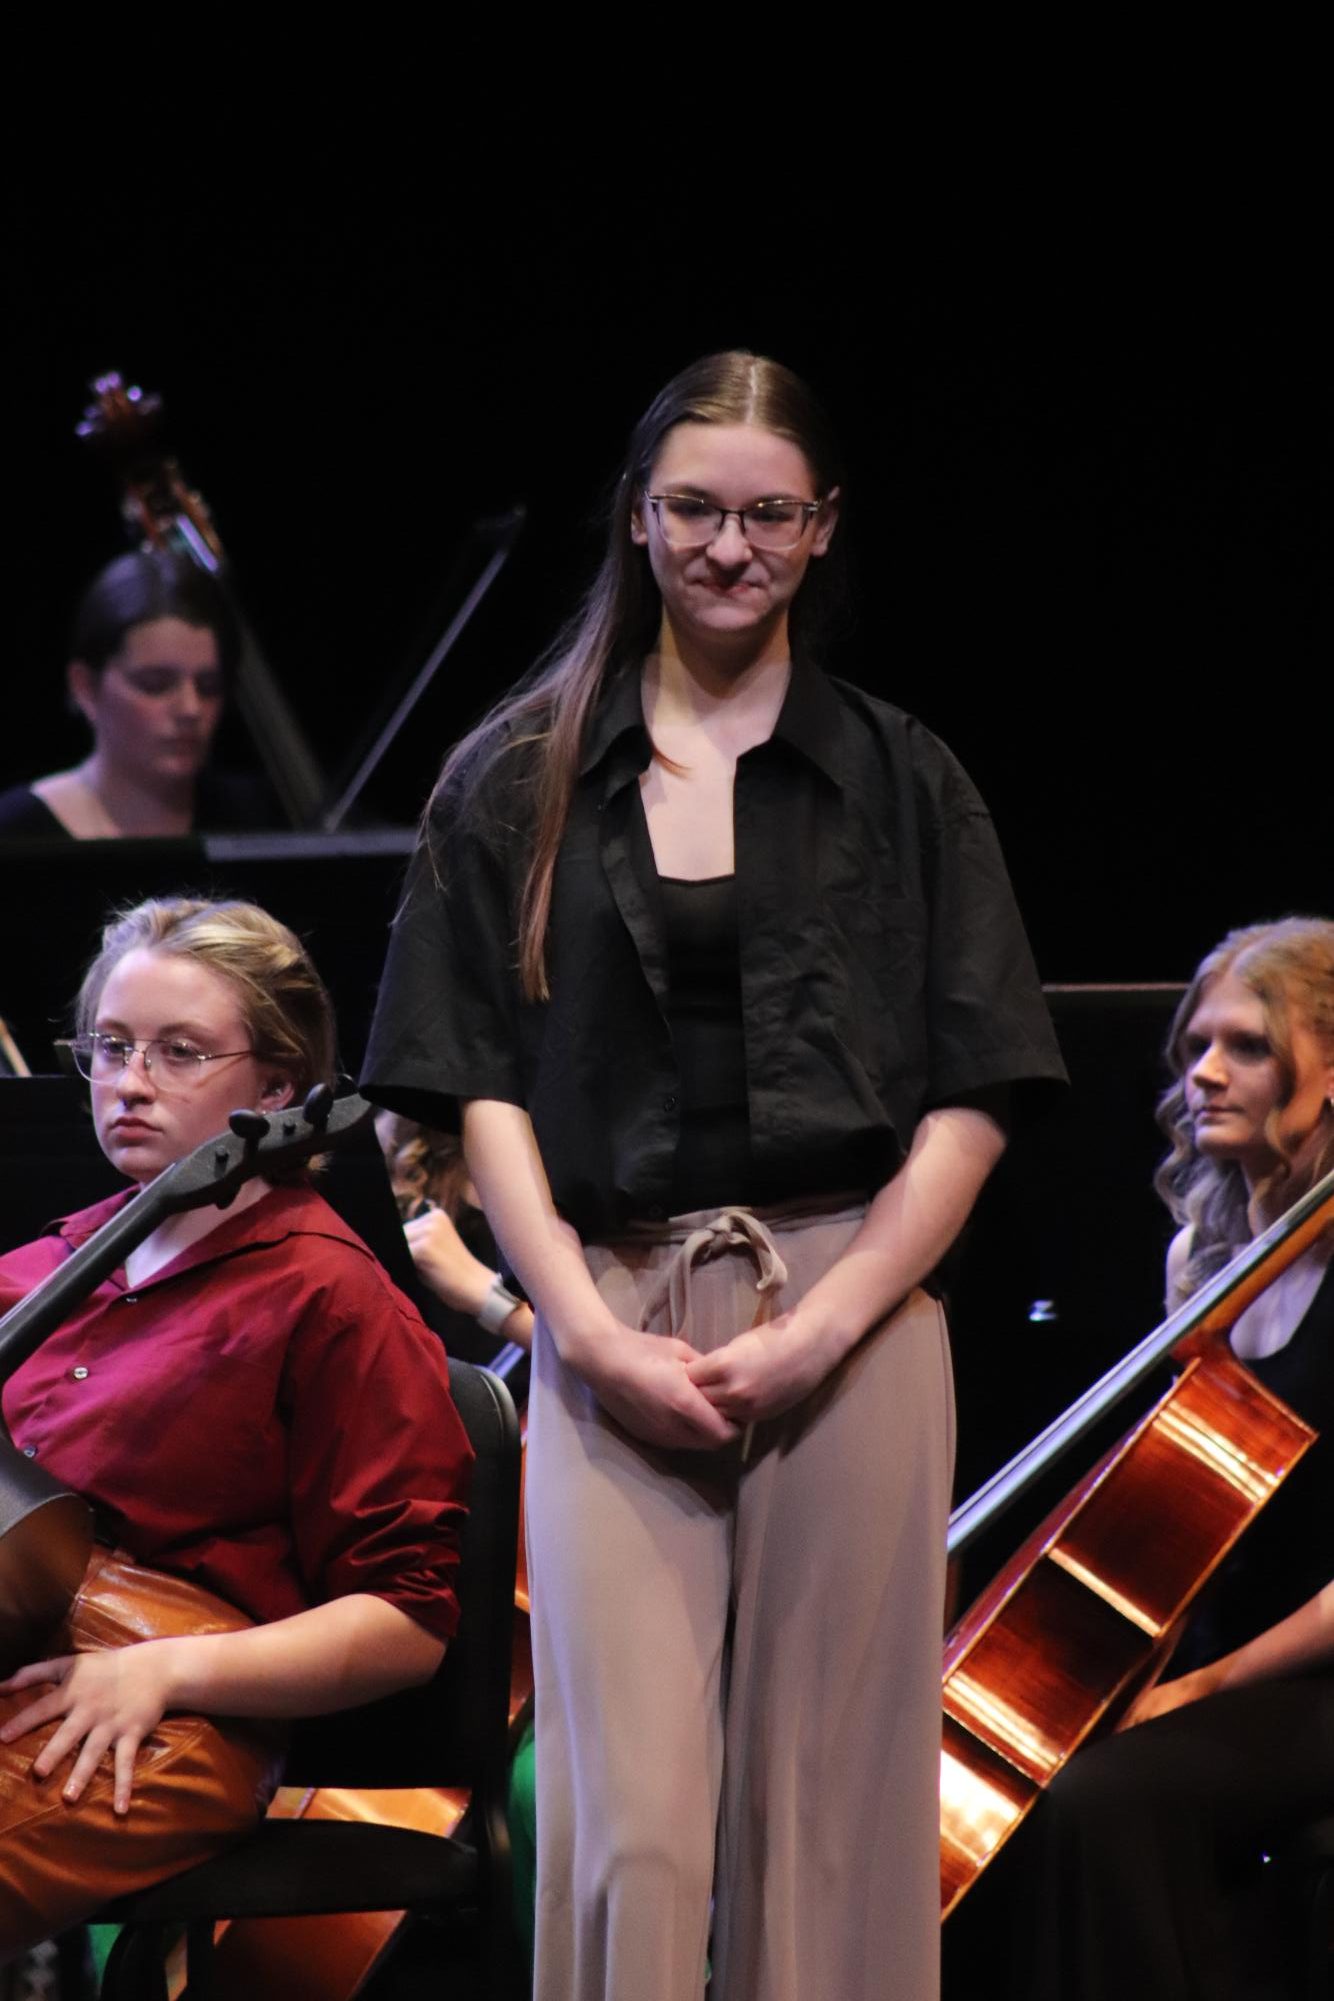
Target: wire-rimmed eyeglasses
101 1058
689 522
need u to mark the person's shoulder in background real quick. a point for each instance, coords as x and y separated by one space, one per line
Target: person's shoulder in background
23 814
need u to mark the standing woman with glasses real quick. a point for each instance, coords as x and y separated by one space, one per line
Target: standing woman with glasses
261 1422
716 962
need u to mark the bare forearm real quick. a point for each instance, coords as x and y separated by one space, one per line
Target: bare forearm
468 1291
351 1650
1305 1639
908 1228
462 1281
543 1251
640 1379
109 1701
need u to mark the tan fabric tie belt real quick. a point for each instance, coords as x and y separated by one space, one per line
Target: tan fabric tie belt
730 1229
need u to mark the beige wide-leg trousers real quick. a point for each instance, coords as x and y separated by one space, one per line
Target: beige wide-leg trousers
738 1657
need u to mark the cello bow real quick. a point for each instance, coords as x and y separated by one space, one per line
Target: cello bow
1083 1617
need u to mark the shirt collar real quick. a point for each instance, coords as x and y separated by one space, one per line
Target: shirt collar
810 722
81 1224
619 715
285 1211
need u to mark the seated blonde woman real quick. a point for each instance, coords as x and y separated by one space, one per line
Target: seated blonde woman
260 1420
1153 1841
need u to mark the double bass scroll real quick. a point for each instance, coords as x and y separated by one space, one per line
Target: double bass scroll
162 511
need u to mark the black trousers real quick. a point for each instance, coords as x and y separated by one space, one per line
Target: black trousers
1147 1856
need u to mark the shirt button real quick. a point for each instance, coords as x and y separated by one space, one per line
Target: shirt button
79 1373
130 1299
30 1451
669 1102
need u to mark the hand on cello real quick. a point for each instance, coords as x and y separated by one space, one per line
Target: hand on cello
104 1703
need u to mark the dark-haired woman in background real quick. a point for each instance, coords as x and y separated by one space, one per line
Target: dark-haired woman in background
1151 1844
153 645
717 962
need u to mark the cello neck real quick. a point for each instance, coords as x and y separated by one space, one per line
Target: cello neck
211 1175
1206 1315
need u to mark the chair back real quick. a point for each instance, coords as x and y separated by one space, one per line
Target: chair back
453 1731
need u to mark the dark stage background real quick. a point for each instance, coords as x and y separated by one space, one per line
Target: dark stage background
1082 428
1083 510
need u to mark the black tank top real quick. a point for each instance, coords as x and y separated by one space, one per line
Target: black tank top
1287 1555
713 1164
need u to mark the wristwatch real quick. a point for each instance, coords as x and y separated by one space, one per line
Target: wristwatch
497 1307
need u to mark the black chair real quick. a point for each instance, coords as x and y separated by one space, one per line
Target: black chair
452 1733
1305 1867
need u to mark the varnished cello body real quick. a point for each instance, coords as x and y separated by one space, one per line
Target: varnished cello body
1085 1615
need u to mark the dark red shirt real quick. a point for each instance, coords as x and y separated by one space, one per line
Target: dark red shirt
266 1415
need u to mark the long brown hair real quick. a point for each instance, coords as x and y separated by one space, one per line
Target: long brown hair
1289 967
617 623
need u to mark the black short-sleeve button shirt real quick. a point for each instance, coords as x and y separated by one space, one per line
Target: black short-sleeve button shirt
884 965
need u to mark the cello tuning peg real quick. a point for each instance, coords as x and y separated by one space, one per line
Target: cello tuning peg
248 1125
318 1105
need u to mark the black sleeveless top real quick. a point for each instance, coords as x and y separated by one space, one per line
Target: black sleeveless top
713 1163
1287 1555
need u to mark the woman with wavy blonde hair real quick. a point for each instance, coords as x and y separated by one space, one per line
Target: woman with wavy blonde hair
1152 1843
1250 1115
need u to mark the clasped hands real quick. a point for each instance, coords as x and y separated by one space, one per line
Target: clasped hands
666 1393
106 1702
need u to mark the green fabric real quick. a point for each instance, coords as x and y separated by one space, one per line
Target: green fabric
523 1838
102 1937
523 1835
523 1841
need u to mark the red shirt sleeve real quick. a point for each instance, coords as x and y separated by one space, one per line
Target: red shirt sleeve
267 1415
26 1267
380 1461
